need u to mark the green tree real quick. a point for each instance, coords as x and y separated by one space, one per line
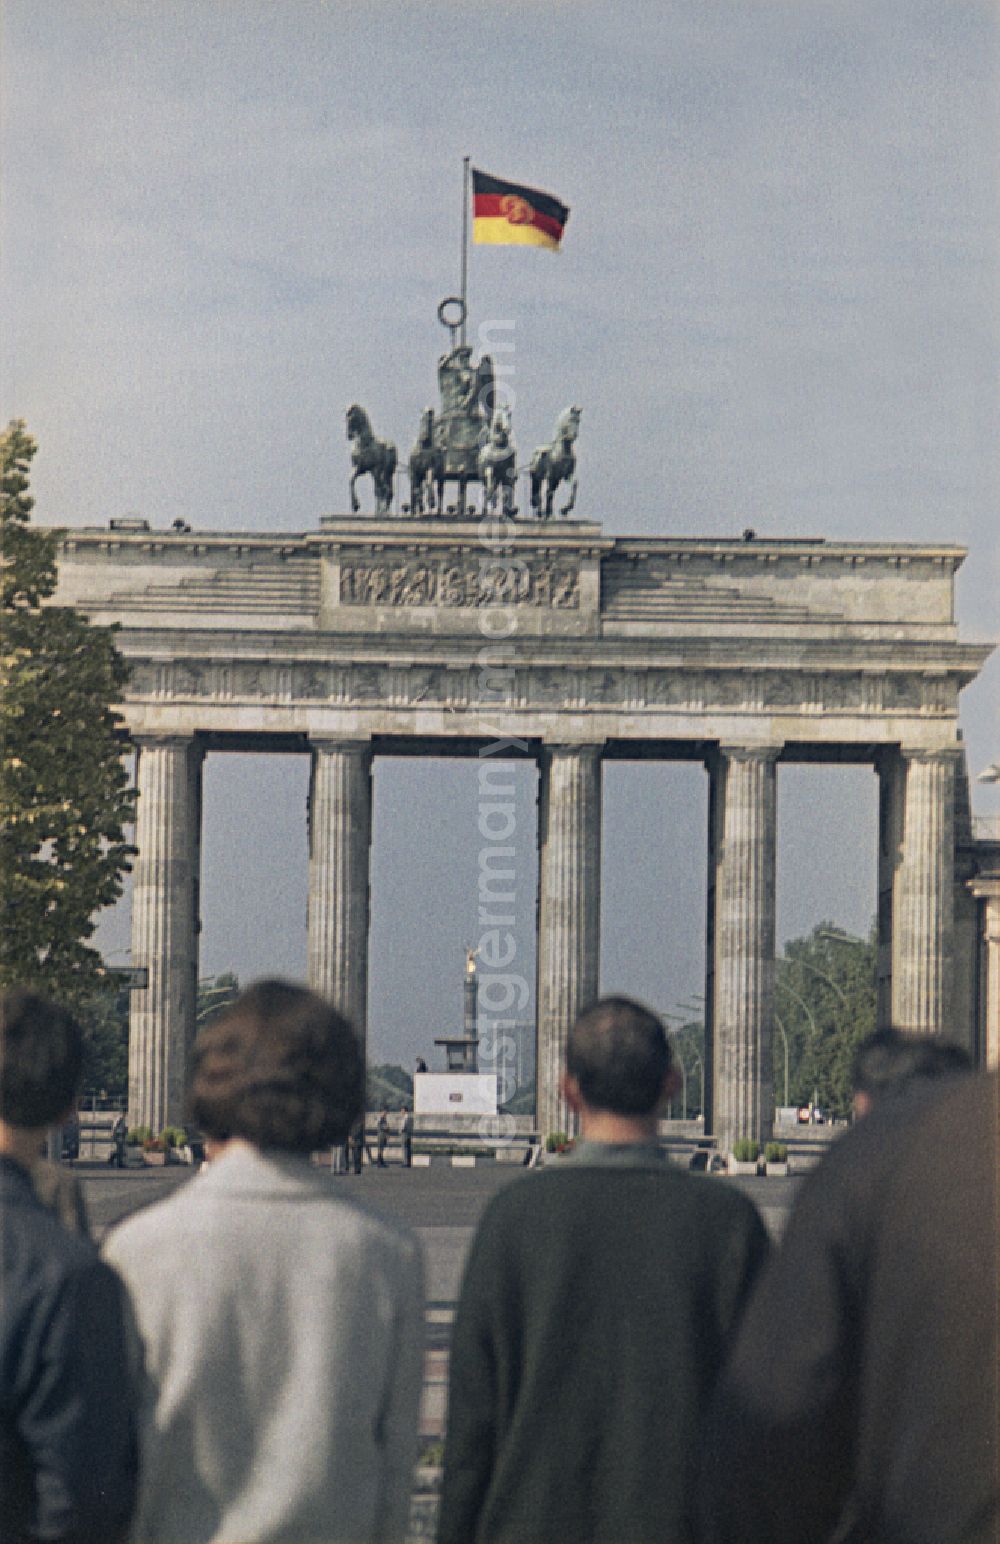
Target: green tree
688 1049
105 1041
65 799
825 1004
389 1085
214 994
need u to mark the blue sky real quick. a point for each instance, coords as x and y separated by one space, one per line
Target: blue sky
777 305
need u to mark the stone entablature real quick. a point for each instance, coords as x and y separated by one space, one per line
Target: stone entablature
367 629
362 576
570 685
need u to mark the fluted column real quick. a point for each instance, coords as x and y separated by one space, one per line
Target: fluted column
741 971
569 911
340 803
923 895
985 888
164 928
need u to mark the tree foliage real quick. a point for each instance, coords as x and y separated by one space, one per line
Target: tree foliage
214 994
825 1004
389 1085
65 799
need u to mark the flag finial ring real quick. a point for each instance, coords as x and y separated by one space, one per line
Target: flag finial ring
455 319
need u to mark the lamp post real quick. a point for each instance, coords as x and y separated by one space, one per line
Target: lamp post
701 1081
807 965
784 1041
780 981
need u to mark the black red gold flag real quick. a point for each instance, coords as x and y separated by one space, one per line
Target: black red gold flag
508 214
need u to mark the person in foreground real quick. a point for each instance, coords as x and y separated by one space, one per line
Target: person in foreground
863 1391
889 1062
281 1321
598 1304
67 1426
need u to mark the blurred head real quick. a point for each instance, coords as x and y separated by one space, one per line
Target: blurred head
618 1056
41 1059
889 1061
280 1068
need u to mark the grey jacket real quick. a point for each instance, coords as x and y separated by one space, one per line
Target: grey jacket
281 1326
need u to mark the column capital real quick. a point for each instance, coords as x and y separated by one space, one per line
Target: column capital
943 754
327 744
169 740
571 748
751 752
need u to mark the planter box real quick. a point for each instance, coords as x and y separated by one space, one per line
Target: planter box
777 1170
155 1160
741 1166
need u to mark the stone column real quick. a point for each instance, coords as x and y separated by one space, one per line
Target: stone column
340 822
741 972
986 890
923 895
164 928
569 836
891 771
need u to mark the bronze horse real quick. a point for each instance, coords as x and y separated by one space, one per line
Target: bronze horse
427 468
497 465
555 463
369 454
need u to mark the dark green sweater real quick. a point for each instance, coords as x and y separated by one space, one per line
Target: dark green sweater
597 1307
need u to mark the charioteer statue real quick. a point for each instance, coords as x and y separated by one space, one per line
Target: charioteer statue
469 440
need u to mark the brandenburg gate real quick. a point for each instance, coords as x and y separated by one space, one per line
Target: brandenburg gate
368 637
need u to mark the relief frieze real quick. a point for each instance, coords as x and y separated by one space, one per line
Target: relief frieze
560 686
434 582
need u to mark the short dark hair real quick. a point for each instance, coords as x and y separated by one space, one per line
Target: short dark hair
41 1059
890 1060
619 1055
279 1067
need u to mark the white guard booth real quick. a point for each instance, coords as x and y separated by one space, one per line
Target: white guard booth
455 1093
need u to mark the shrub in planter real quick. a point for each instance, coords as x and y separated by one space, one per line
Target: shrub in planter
558 1142
746 1150
138 1136
775 1152
173 1136
154 1145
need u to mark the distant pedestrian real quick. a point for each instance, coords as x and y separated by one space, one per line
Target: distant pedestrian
421 1064
599 1301
68 1450
282 1327
406 1135
119 1136
382 1136
356 1145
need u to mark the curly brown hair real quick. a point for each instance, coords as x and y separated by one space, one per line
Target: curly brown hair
279 1067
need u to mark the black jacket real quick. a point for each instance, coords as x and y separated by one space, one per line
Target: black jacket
599 1302
863 1391
68 1454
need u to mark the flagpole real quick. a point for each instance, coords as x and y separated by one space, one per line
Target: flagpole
465 240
